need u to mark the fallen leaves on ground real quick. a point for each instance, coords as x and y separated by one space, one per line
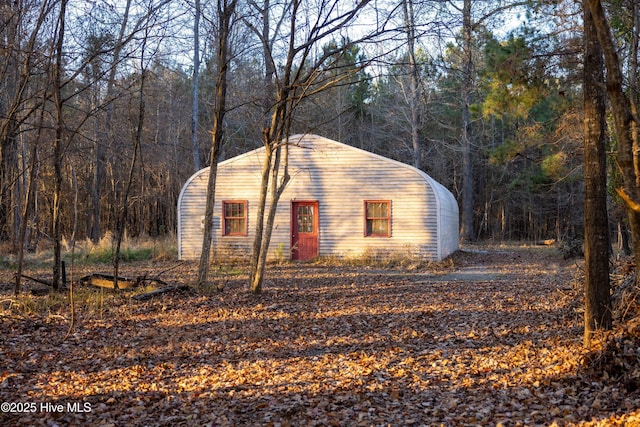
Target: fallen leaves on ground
323 346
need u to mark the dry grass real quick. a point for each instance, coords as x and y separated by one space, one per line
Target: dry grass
162 248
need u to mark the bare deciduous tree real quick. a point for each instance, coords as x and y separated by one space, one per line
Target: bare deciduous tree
467 137
58 150
294 81
413 96
225 10
100 144
196 86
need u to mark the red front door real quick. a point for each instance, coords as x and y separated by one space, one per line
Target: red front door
304 230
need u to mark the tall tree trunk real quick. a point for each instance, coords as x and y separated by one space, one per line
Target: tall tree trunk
468 233
9 77
261 244
121 218
255 282
414 105
627 153
226 9
100 160
28 202
195 146
277 122
15 76
10 102
597 314
97 176
634 84
291 88
58 149
256 277
8 180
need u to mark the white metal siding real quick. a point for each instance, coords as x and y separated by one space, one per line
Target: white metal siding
340 178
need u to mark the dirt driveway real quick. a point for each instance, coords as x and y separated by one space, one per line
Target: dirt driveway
492 339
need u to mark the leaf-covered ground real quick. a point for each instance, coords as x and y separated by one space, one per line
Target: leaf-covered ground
494 340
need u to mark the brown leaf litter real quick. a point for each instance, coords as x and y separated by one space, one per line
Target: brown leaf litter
496 339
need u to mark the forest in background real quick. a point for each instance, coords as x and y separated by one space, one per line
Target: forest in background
97 107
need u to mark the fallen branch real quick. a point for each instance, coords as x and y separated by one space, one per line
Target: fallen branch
143 280
169 269
42 281
108 281
162 291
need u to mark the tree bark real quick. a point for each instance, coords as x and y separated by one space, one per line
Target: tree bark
597 314
226 9
58 149
121 219
627 151
98 178
9 129
291 86
255 277
258 256
409 23
468 233
28 201
16 74
261 246
195 146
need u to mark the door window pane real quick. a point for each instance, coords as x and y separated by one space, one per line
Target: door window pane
305 219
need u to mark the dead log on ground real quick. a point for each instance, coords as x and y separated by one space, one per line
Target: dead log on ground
546 242
108 281
163 291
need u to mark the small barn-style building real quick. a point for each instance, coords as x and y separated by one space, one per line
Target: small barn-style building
341 201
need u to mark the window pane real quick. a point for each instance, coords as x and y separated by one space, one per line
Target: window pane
234 210
380 226
377 209
234 218
235 226
377 219
371 210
